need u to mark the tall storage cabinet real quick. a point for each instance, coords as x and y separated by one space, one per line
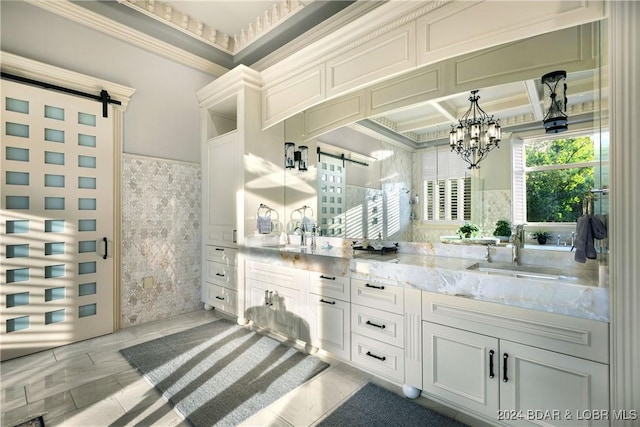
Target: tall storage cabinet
242 167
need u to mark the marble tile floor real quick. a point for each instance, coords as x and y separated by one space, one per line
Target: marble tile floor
89 384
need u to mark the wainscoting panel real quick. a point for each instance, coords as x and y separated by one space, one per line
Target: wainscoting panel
161 238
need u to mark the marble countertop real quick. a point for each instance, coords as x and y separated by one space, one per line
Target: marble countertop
569 291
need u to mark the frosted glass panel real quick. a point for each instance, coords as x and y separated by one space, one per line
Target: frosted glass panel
87 161
86 204
17 202
17 154
51 180
17 178
86 182
87 289
17 105
87 246
53 271
54 294
54 225
19 226
17 275
87 267
17 129
17 251
87 225
53 135
54 203
15 300
56 248
87 119
54 316
53 112
53 158
18 324
87 310
86 140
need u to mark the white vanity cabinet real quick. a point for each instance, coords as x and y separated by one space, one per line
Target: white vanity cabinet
377 328
329 313
514 365
276 297
220 284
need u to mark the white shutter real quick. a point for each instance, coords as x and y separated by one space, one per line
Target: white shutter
518 184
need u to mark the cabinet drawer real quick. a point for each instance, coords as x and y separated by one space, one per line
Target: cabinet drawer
588 339
221 274
221 298
378 324
330 286
377 295
277 275
377 356
222 255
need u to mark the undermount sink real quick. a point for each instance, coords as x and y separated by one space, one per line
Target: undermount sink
518 271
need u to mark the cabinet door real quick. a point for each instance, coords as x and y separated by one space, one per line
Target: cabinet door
259 308
576 389
462 367
329 325
288 314
220 187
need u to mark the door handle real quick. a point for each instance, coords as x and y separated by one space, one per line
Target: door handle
327 277
374 286
327 302
106 247
505 357
491 374
220 274
369 322
382 358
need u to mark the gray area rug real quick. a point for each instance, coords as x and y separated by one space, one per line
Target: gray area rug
220 374
374 406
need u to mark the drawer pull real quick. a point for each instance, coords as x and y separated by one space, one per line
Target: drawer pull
369 322
382 358
220 298
491 353
220 274
504 368
374 286
327 302
327 277
220 249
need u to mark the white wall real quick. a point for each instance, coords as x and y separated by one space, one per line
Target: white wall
162 119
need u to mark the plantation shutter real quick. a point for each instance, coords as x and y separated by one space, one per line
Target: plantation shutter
518 184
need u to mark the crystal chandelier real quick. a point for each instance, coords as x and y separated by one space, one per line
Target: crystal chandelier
475 134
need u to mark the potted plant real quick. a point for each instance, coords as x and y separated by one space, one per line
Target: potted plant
503 230
468 230
541 236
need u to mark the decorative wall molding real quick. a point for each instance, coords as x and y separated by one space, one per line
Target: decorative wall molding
624 234
98 22
229 43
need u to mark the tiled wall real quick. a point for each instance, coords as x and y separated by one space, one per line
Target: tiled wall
161 237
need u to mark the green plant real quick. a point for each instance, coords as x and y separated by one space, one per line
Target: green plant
542 236
503 228
468 230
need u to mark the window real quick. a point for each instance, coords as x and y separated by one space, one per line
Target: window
446 187
552 177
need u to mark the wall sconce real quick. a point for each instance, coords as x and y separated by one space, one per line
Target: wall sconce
555 101
291 156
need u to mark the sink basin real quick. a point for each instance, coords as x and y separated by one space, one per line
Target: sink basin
518 271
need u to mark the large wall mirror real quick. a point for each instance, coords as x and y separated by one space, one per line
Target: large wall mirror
393 174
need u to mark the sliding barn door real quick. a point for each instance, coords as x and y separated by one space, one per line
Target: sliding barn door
57 220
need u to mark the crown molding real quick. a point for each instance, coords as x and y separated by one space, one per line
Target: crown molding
28 68
98 22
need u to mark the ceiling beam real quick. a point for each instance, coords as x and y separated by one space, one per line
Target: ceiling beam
534 99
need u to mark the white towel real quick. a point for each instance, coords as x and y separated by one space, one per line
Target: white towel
308 223
264 224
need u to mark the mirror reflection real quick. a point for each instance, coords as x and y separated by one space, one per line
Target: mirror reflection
395 175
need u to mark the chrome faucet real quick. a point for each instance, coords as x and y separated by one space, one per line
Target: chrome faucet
303 241
518 243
